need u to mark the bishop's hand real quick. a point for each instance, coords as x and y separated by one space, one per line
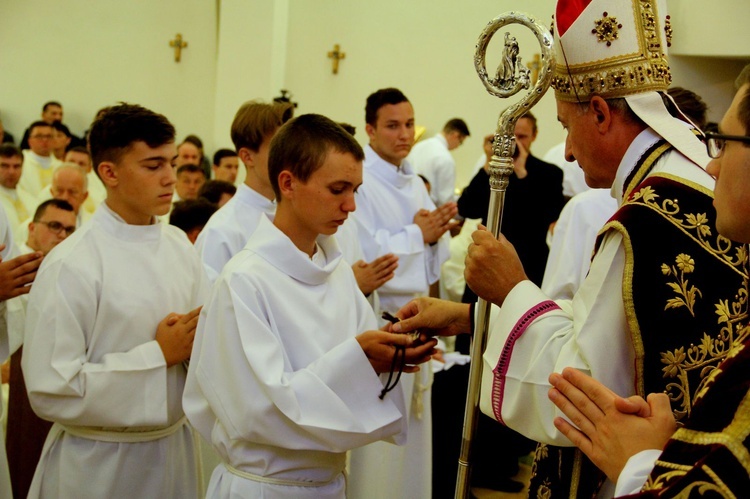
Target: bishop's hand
17 273
492 266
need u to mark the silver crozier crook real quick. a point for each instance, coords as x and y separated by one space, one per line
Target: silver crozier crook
510 78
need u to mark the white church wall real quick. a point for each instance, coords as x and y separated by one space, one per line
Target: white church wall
423 47
92 54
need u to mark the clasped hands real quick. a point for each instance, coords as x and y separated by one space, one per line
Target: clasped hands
609 429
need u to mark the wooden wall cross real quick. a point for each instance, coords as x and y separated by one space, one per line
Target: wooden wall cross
535 65
177 44
336 54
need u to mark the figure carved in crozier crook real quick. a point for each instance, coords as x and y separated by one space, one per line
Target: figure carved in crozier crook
510 66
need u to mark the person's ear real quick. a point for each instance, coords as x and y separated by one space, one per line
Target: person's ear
601 112
246 156
370 131
107 173
287 183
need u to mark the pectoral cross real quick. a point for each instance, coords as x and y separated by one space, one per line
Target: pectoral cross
535 65
177 44
336 55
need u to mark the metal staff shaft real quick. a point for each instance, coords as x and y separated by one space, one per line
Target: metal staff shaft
511 77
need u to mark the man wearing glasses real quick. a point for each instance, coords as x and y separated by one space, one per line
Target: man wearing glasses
38 160
53 222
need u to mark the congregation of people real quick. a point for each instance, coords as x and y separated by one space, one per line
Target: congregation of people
175 323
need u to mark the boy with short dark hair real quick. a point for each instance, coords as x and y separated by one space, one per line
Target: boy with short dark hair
105 336
284 373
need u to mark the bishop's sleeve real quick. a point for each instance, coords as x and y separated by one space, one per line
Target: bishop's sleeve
532 336
240 378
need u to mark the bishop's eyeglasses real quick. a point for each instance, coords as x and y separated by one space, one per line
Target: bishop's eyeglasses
715 142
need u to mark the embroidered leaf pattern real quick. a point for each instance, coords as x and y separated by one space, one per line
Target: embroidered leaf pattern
686 293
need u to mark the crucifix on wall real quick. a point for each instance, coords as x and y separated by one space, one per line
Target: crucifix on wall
535 65
336 54
177 44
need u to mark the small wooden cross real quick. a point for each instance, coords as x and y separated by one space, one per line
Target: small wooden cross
336 55
177 44
535 65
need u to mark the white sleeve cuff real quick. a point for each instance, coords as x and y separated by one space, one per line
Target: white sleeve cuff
636 471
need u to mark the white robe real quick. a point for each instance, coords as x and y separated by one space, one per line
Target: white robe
432 159
228 230
90 359
36 174
573 242
589 332
277 382
387 202
7 253
15 219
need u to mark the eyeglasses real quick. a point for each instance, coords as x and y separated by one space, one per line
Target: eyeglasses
715 142
57 227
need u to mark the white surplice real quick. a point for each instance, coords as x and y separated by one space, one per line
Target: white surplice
278 383
228 230
388 199
432 159
589 332
36 173
91 360
573 241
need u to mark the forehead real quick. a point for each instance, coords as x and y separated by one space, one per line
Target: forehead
524 126
188 147
77 155
55 213
140 151
11 159
340 167
401 112
228 160
41 128
68 176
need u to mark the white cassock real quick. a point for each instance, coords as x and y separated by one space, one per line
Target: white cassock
386 204
7 253
36 173
278 383
93 367
19 205
432 159
582 332
573 242
228 230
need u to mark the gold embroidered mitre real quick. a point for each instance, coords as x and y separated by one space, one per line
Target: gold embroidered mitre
610 48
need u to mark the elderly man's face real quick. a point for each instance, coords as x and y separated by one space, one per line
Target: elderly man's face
68 184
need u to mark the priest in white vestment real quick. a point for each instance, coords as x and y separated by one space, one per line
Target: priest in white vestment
110 323
284 372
